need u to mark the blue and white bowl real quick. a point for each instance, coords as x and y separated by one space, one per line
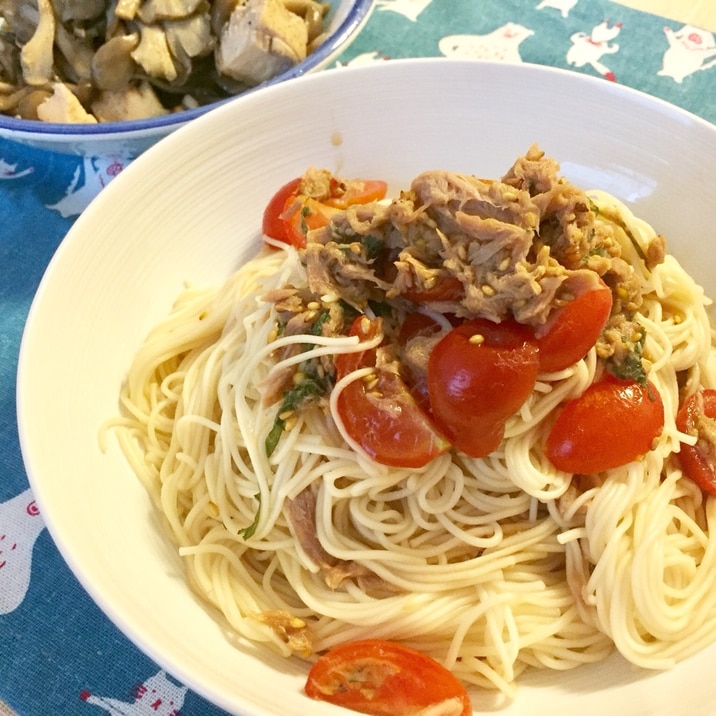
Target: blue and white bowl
129 139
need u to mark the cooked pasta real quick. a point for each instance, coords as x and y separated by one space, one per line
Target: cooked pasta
492 565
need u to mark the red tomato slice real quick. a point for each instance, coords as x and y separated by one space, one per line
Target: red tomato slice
447 288
417 325
479 375
612 423
571 330
366 329
356 191
290 214
303 214
697 461
383 678
273 225
381 415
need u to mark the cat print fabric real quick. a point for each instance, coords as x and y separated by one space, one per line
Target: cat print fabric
157 696
67 657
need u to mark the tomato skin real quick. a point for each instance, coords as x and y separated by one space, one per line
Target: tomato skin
417 325
383 678
382 416
290 213
447 288
571 330
695 461
273 225
356 191
611 424
303 214
474 387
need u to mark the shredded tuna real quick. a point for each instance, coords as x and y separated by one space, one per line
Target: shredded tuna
457 246
302 513
506 246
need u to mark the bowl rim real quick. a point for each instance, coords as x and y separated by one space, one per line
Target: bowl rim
166 149
356 16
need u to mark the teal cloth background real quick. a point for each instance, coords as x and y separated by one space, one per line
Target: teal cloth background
58 653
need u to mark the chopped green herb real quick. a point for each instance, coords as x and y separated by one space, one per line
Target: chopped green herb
380 308
317 326
373 246
249 531
309 388
630 367
594 251
305 211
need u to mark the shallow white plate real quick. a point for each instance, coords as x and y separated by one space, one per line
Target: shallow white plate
190 209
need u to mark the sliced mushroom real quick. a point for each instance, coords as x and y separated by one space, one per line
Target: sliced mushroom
79 10
9 61
312 12
220 13
153 10
31 99
10 98
131 103
20 19
63 107
113 65
36 55
77 53
127 9
153 54
191 35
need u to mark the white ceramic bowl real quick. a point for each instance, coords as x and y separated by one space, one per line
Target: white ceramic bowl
126 258
129 139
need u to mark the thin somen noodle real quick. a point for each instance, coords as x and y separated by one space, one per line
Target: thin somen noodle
490 564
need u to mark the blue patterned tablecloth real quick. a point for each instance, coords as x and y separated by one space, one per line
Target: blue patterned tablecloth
59 654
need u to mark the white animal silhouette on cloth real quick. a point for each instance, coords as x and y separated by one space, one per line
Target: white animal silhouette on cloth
157 696
690 49
408 8
589 49
500 44
9 171
98 172
20 526
564 6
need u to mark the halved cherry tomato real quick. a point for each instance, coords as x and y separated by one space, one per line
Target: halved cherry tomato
479 375
698 461
290 214
380 414
572 329
611 424
303 214
345 193
273 224
446 288
383 678
417 325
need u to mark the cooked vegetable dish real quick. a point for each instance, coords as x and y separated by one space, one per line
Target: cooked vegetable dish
87 61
